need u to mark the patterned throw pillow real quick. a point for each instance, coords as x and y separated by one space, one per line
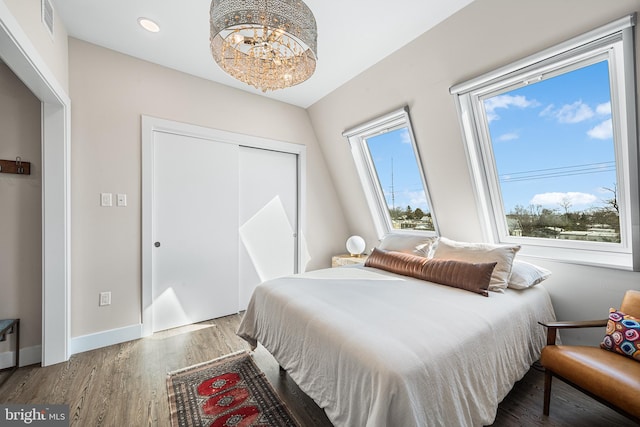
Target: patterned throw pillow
623 334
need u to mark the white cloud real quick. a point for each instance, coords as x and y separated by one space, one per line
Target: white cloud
508 136
557 199
417 199
404 198
405 138
548 111
604 109
602 131
506 101
491 116
570 113
579 112
574 113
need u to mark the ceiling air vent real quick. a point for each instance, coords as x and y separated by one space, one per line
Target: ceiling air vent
47 16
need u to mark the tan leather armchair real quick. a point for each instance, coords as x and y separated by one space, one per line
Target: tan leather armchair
610 378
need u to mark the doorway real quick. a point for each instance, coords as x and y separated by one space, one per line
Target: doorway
17 51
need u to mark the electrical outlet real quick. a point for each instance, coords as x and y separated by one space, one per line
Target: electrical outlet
105 298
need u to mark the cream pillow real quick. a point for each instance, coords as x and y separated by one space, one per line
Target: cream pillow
503 255
524 275
408 243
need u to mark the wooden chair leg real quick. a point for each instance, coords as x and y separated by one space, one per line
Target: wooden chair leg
17 343
547 391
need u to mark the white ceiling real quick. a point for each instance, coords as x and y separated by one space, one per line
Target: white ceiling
352 35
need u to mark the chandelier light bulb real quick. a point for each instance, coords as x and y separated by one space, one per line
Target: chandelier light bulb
237 38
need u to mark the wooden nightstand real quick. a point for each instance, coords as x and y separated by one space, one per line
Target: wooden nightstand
346 259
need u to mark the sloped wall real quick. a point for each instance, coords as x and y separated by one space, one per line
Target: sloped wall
483 36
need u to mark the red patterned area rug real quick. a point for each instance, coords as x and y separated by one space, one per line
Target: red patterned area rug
229 391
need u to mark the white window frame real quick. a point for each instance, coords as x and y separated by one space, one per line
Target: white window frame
374 194
615 42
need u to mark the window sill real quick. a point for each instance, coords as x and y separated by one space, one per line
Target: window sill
617 260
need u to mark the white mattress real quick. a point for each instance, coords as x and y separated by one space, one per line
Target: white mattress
377 349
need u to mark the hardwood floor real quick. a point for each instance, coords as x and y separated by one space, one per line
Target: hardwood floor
124 384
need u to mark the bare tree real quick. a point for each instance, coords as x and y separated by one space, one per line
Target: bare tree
566 204
613 201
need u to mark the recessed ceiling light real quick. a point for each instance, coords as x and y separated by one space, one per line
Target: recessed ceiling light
148 25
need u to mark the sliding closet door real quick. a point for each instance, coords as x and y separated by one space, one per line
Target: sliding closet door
195 229
268 217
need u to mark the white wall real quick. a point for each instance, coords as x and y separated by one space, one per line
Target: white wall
481 37
53 50
110 91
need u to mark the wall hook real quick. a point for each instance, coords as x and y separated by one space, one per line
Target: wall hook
16 166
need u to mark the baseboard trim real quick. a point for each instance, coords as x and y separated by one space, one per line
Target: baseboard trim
105 338
28 356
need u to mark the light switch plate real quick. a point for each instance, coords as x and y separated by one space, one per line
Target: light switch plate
121 200
105 298
106 199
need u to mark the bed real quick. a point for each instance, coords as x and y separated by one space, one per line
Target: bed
374 348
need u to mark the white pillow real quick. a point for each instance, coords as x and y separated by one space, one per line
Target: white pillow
408 243
478 253
524 275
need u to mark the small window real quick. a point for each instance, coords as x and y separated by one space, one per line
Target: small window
389 166
552 146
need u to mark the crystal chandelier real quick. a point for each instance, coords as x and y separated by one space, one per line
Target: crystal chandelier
268 44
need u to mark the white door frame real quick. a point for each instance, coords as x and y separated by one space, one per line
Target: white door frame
17 51
152 124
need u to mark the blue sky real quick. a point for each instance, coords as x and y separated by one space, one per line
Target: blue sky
552 140
395 148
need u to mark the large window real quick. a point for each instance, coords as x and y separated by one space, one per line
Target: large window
555 159
388 163
553 149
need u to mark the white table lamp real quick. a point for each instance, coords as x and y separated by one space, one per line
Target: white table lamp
356 245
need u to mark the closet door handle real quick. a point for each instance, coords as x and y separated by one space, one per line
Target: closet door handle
156 244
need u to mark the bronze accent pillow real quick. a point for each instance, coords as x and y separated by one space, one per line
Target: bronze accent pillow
459 274
396 262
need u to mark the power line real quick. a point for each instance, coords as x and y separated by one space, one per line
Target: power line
564 167
557 175
559 172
